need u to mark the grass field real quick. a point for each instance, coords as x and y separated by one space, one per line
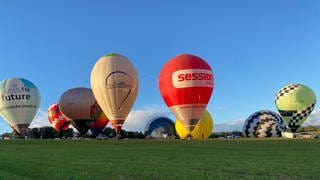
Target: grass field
160 159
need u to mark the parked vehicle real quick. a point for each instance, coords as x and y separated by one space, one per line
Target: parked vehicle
305 135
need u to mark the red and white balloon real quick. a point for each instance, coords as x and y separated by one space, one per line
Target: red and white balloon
56 119
186 83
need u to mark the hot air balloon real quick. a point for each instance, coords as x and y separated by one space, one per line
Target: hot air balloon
20 101
202 130
264 123
100 119
159 127
186 84
76 105
295 102
56 118
114 83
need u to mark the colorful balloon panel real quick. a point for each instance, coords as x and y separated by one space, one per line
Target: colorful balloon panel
56 119
295 102
114 82
202 130
20 101
186 83
100 119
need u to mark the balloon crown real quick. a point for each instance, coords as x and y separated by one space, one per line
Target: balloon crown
112 54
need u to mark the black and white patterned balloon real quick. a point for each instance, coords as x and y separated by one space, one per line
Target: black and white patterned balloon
264 123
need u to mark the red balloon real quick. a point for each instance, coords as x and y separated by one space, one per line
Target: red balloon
56 119
186 83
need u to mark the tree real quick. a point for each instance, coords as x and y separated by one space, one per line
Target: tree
67 133
310 128
35 133
300 129
140 135
108 132
6 135
47 132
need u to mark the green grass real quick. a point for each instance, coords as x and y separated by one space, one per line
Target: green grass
160 159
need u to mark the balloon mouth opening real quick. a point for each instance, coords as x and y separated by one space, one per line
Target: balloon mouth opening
117 129
21 129
189 128
117 125
82 125
294 129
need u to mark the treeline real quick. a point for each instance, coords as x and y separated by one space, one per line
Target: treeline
50 133
239 133
308 129
225 134
109 132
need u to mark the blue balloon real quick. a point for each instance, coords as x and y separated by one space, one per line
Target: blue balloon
159 127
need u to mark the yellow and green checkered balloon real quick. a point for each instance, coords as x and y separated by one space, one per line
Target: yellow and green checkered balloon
295 103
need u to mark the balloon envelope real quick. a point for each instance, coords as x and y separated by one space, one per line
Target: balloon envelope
20 101
56 118
114 83
202 130
100 119
186 84
76 104
295 102
264 123
159 127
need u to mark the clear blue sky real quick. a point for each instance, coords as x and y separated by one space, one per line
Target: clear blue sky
254 47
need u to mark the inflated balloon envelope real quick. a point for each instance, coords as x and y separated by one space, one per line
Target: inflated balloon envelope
159 127
186 83
264 123
202 130
114 83
76 104
295 102
20 101
58 121
101 120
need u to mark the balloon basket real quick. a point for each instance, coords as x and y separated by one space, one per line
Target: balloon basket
117 137
189 137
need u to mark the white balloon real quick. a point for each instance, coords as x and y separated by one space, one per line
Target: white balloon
19 104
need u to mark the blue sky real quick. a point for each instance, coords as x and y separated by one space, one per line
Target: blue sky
253 47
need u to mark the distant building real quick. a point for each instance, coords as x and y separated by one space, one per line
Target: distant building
287 135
